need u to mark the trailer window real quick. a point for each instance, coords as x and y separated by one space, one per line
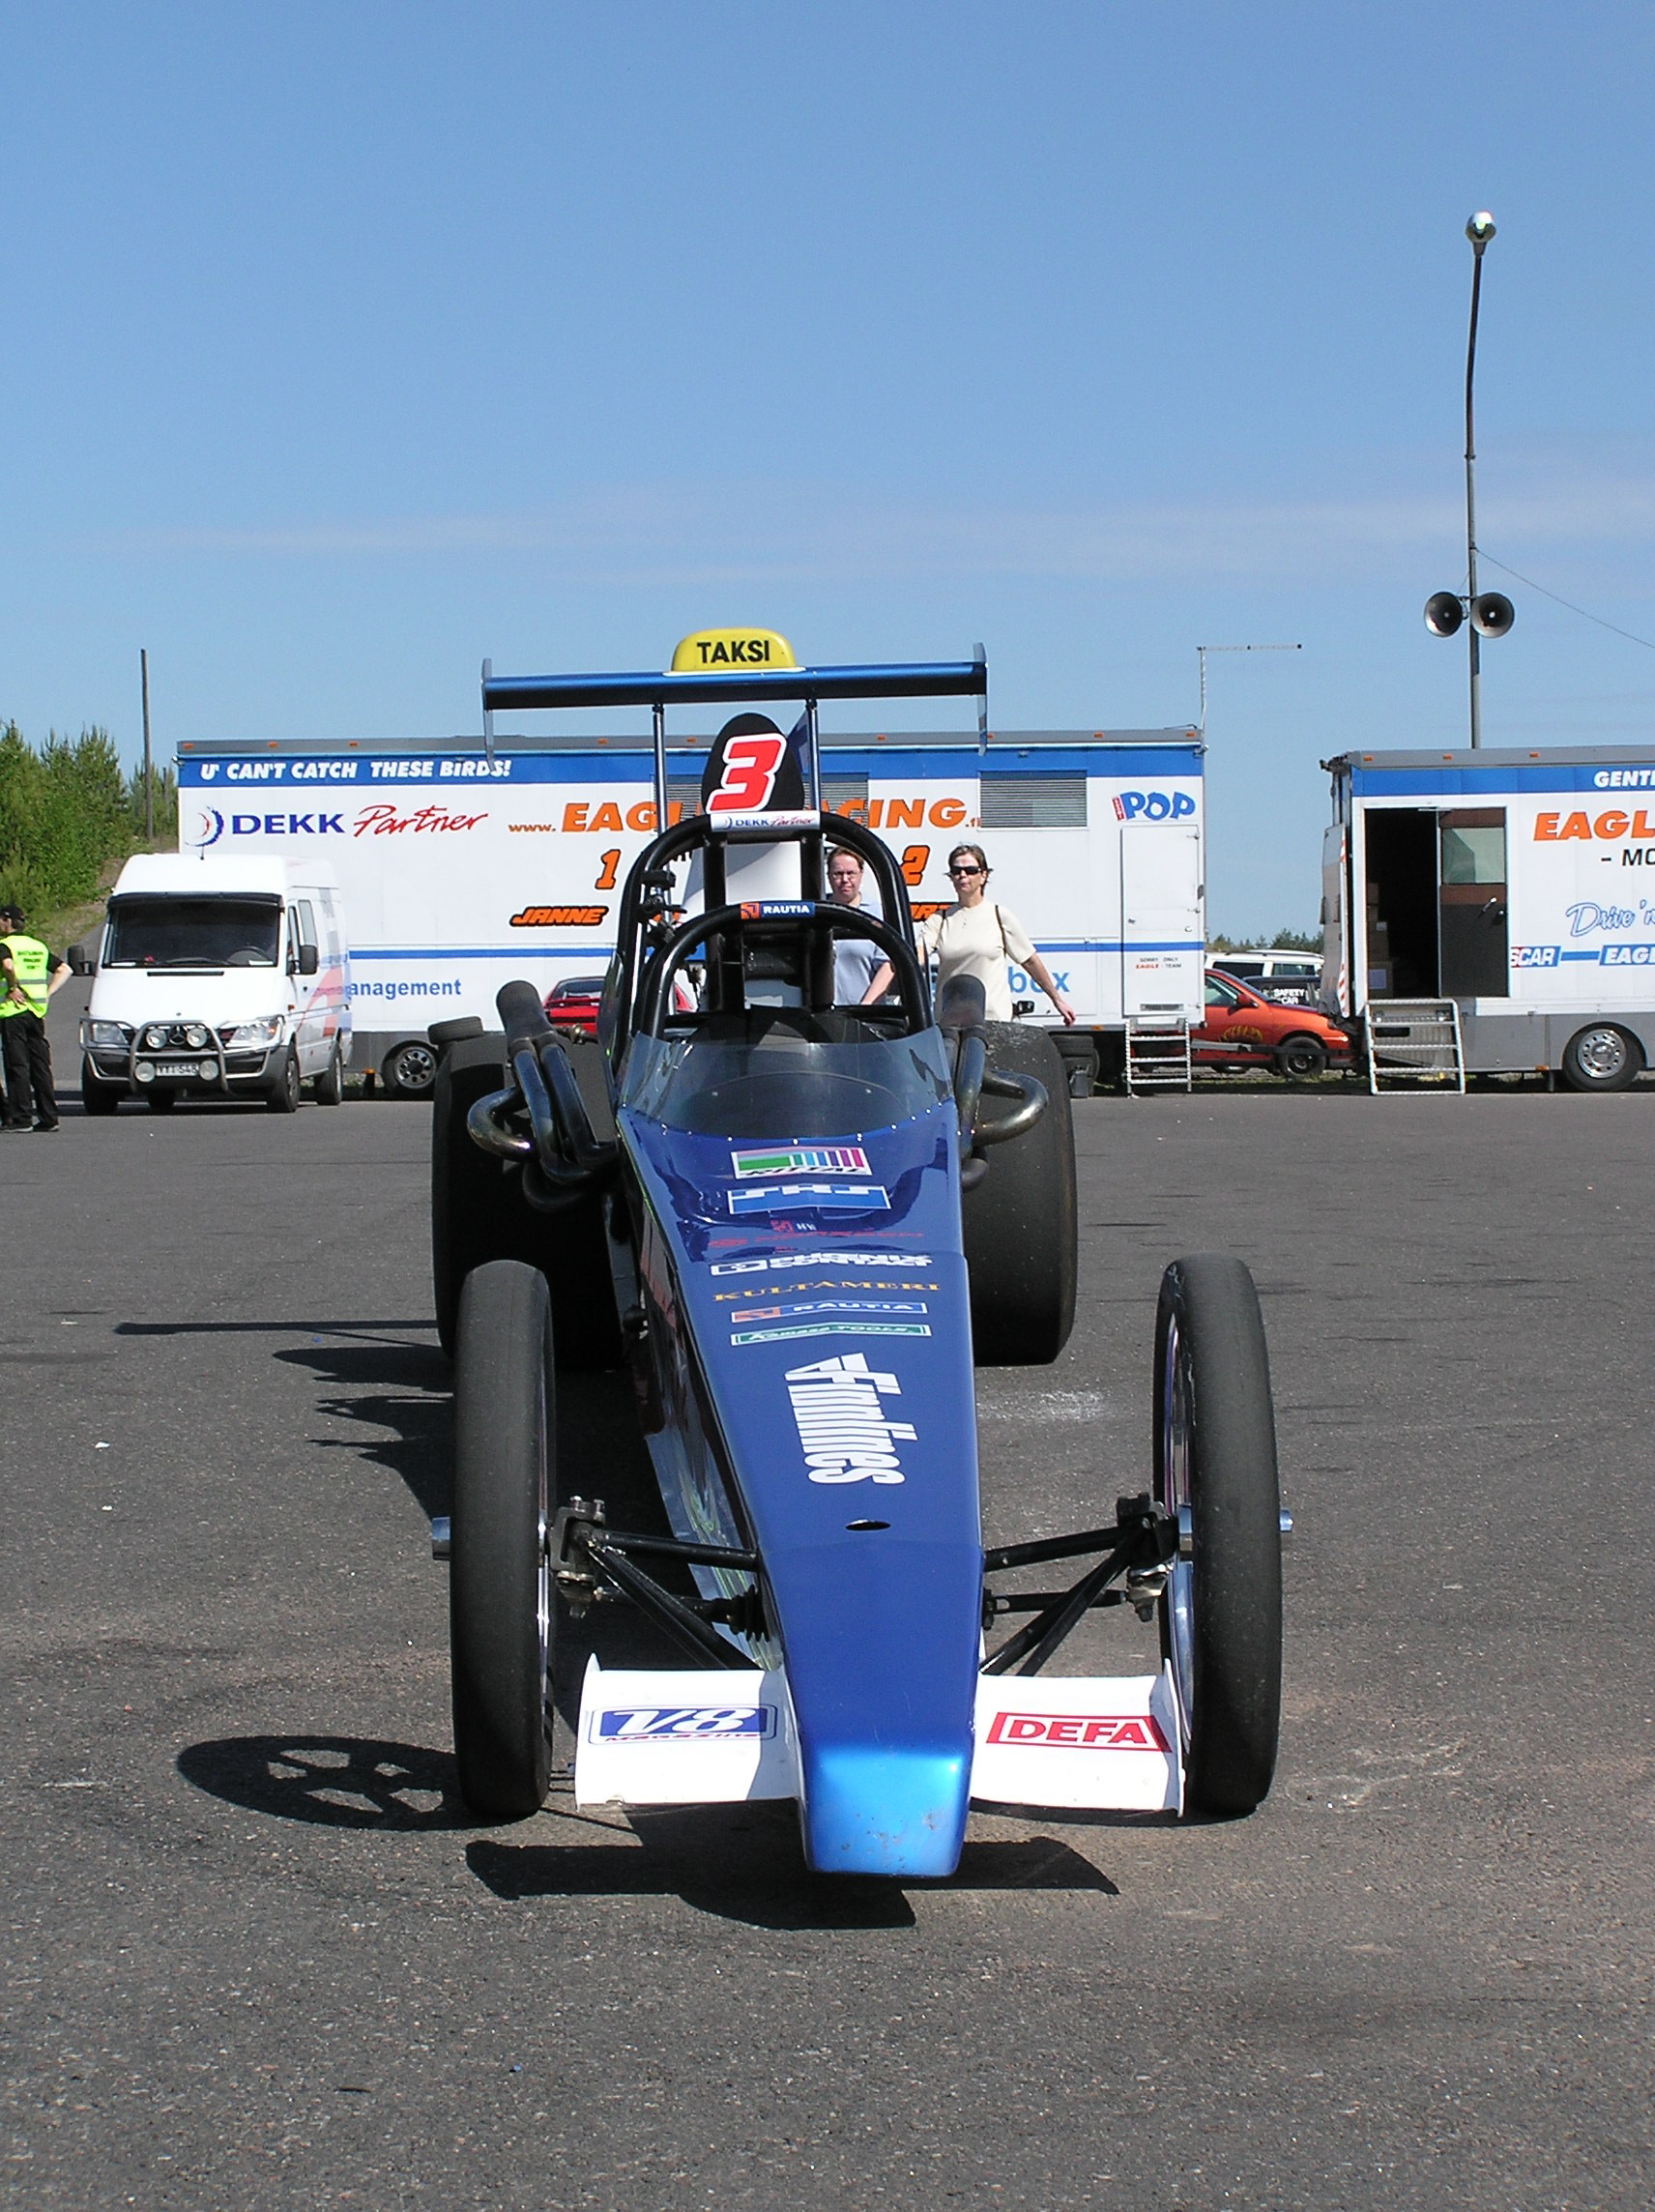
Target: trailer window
1474 854
1037 801
156 931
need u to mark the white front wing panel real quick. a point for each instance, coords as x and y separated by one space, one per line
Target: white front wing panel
713 1736
678 1736
1094 1742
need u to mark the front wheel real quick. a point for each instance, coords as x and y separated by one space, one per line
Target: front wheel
1602 1058
282 1097
331 1083
1299 1058
1216 1469
500 1588
96 1096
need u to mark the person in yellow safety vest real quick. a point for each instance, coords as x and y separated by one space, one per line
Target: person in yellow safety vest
29 975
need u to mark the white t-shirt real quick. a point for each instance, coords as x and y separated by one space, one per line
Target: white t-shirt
981 941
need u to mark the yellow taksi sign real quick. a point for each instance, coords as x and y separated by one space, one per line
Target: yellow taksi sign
704 650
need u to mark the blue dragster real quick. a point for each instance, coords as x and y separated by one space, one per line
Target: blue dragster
800 1221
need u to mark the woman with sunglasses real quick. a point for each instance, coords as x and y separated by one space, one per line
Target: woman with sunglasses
977 938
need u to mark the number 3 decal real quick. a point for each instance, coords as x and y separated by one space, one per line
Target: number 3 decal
750 765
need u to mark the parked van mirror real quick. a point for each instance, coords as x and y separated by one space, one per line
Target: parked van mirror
307 960
82 959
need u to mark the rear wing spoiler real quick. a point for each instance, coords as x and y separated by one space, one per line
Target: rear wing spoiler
895 679
887 680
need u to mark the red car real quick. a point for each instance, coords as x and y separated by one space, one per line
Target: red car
572 1003
1243 1030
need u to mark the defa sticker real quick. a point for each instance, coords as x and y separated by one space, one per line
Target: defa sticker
800 1159
839 1411
1079 1731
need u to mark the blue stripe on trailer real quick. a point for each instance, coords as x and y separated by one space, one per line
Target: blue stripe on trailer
603 952
464 775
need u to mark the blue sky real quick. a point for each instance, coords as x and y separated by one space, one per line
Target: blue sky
344 345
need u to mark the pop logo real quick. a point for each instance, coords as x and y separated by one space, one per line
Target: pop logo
1152 806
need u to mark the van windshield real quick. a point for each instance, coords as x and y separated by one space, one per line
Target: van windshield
159 931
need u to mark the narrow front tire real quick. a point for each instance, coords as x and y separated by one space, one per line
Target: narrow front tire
1215 1469
500 1588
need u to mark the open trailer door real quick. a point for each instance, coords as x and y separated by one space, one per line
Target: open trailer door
1335 957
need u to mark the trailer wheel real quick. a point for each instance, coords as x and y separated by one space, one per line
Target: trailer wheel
1079 1055
98 1097
331 1083
479 1213
1298 1058
409 1069
1216 1467
500 1585
1602 1058
1021 1237
282 1095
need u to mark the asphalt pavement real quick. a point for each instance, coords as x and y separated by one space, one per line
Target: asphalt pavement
256 1954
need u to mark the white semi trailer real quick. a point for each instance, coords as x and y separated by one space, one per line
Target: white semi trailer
1518 886
470 863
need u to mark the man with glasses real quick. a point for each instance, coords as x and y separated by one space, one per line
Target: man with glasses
856 960
979 939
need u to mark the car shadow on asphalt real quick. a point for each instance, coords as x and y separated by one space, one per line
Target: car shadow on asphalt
379 1373
745 1863
734 1862
330 1781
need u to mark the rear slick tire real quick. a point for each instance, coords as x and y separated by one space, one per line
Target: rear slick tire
1019 1223
500 1588
1215 1455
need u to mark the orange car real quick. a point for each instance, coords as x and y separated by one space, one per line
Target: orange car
1243 1030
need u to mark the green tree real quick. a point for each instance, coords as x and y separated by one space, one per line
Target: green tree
63 816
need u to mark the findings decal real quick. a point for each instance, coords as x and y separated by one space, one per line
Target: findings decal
842 1427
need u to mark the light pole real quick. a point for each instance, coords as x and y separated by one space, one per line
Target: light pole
1491 613
1201 651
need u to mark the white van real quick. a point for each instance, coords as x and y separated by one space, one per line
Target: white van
1291 978
218 979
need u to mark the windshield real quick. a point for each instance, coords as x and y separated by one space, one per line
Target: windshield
771 1081
194 933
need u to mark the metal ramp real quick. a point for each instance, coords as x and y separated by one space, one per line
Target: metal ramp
1157 1053
1413 1045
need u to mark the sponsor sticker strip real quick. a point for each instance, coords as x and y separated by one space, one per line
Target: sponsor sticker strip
771 1160
1079 1731
779 1261
679 1723
811 1198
